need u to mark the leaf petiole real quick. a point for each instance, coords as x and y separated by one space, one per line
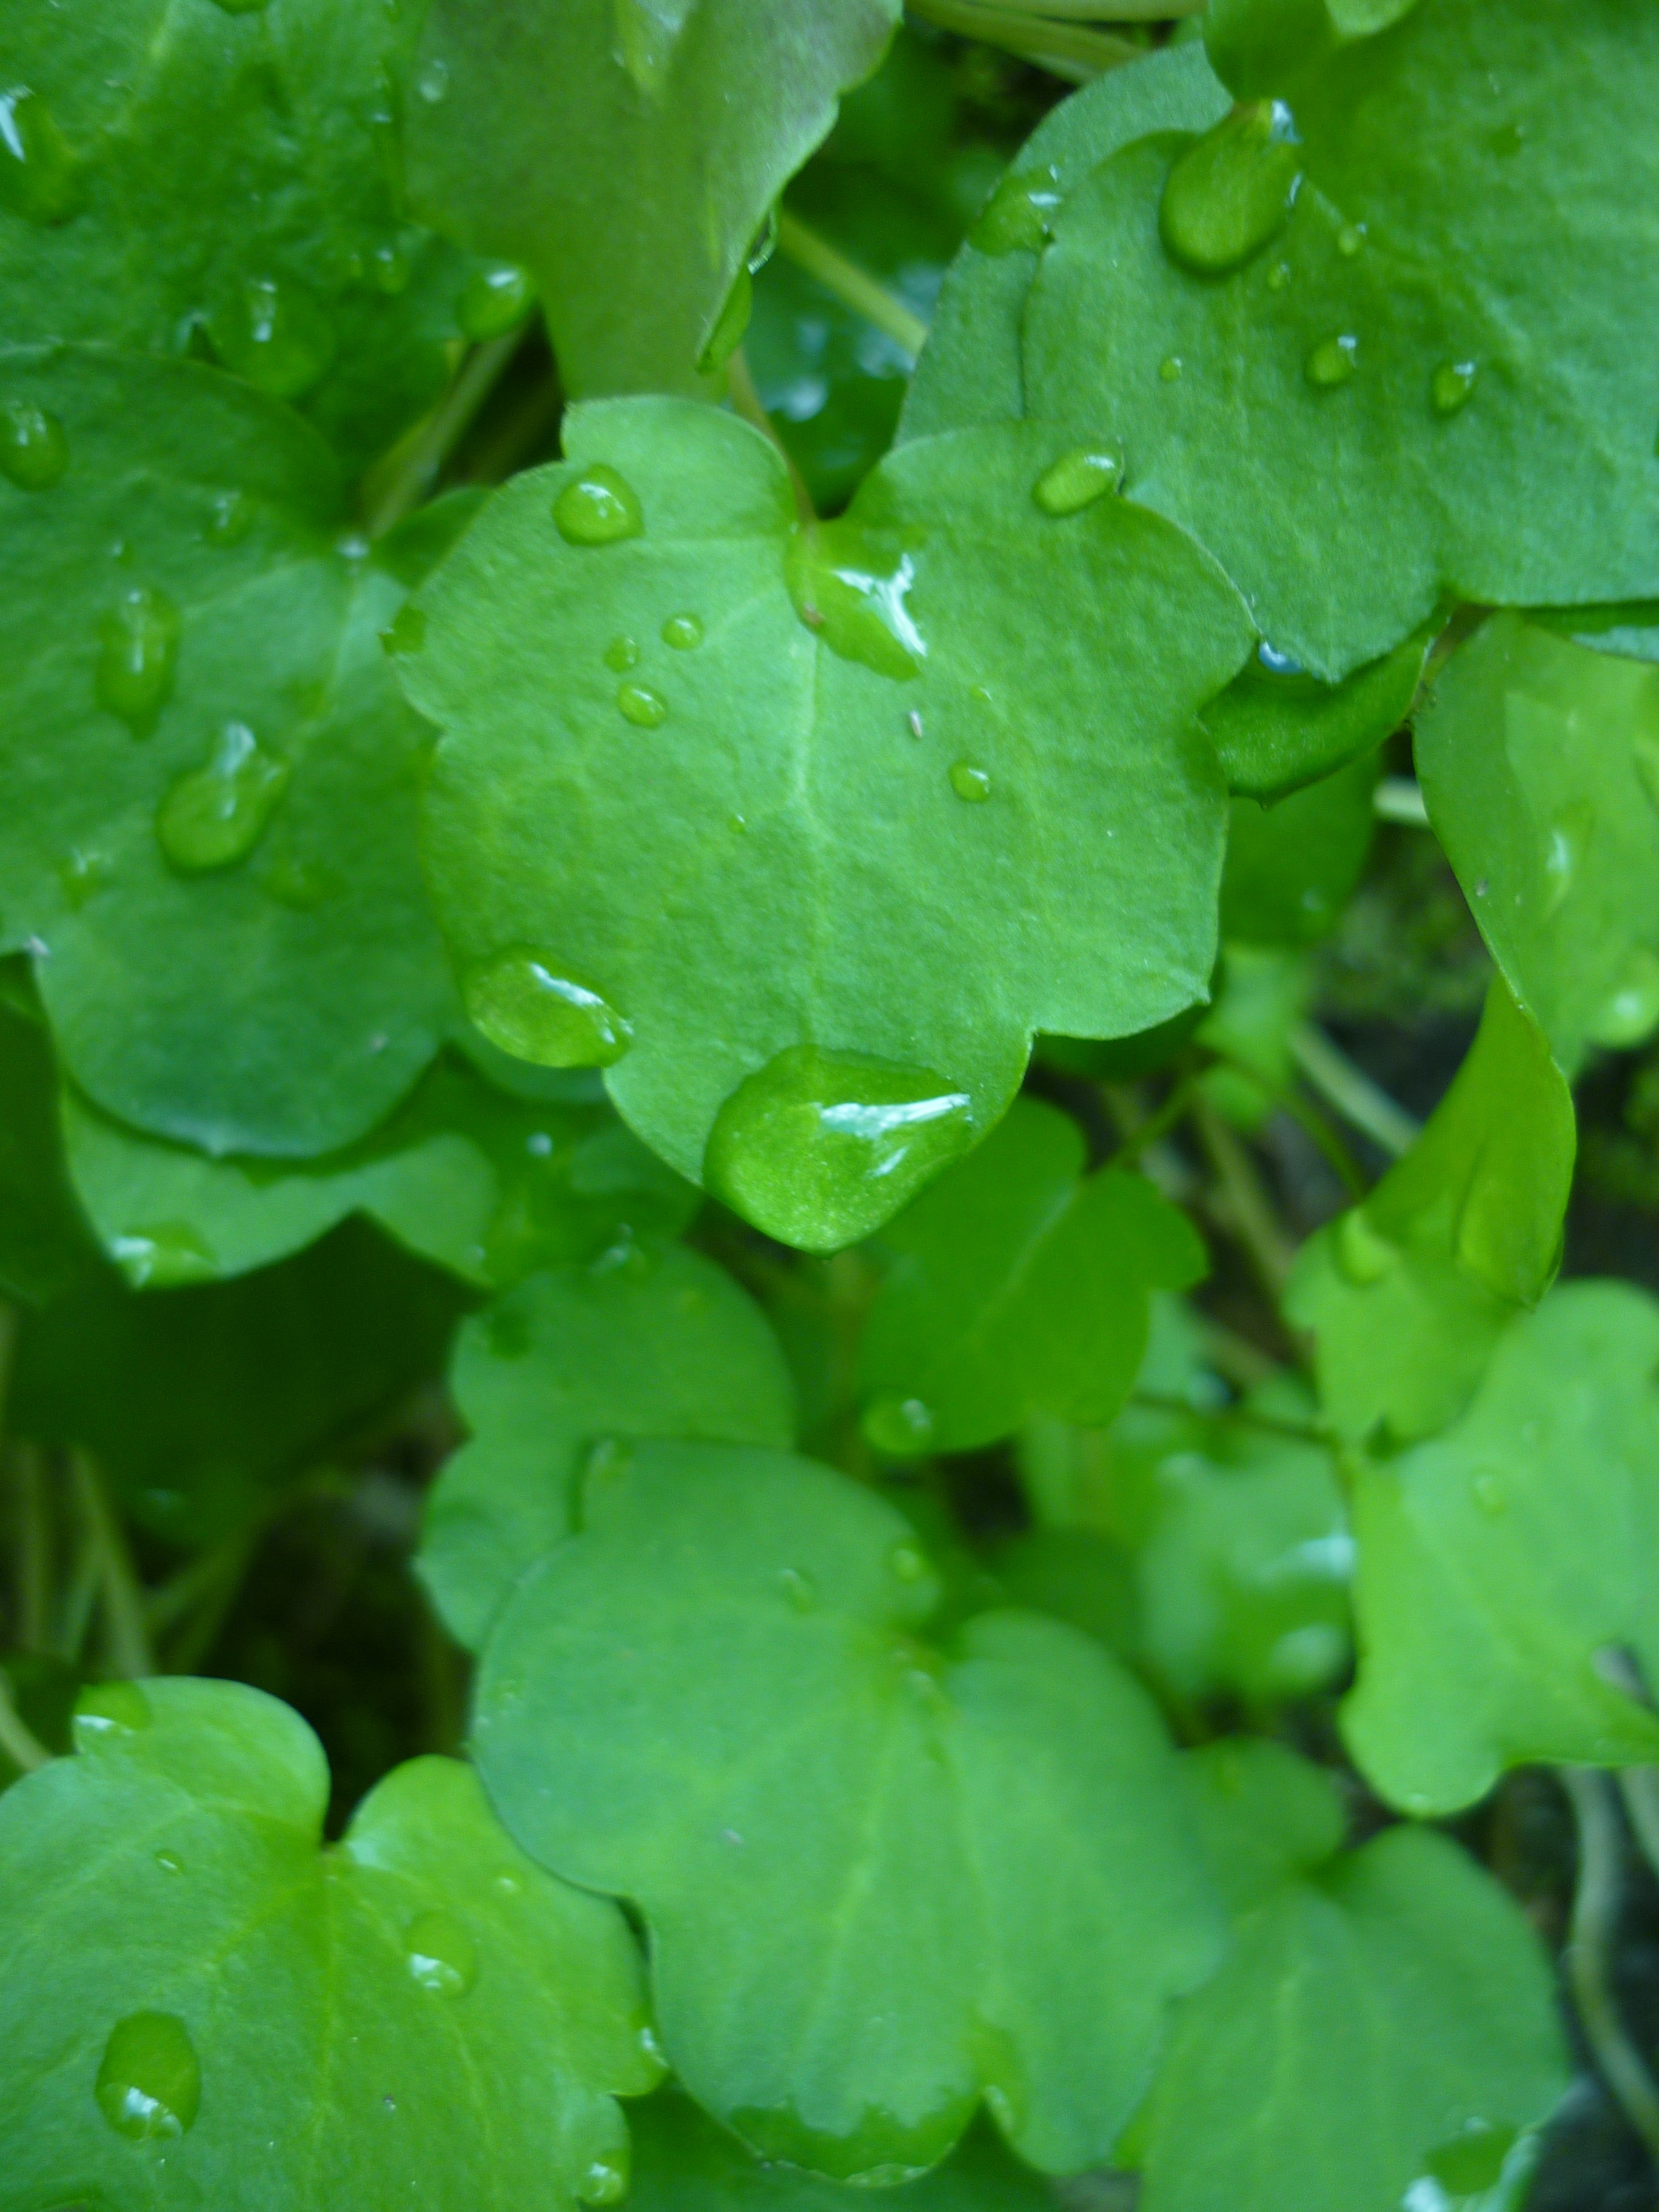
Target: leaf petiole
1063 49
853 287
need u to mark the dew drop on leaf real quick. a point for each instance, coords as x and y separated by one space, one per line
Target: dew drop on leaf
969 783
622 655
1349 238
230 518
1169 368
1564 844
33 448
907 1564
682 632
390 268
442 1957
598 507
1631 1010
137 658
1279 275
603 2183
1451 384
1230 191
1077 479
852 590
496 299
40 177
275 335
149 2080
898 1425
1276 663
164 1257
82 876
1332 361
1019 214
110 1710
1363 1255
433 83
523 1002
639 704
214 815
169 1862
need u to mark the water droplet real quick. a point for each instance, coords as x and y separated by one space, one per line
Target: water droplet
1646 751
83 875
851 587
969 783
1230 191
496 299
1451 384
649 2044
110 1711
908 1562
912 723
799 1588
1276 663
149 2081
1564 845
40 177
730 324
1362 1253
1279 275
214 815
1332 361
406 632
523 1002
1631 1009
603 2183
898 1425
432 83
620 655
390 268
275 336
1019 214
165 1257
230 518
169 1862
639 704
33 449
1349 238
819 1148
682 632
442 1957
598 507
1077 479
508 1884
137 657
1489 1494
1169 368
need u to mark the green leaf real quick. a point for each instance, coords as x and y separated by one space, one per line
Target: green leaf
1256 45
1292 867
226 178
207 779
1278 728
1406 1294
1539 766
822 947
881 1879
1398 339
43 1239
1502 1563
201 2003
1384 2032
1018 1288
1262 995
627 152
575 1359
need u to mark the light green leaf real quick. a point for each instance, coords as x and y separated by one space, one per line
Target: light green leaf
1406 1294
43 1239
1292 867
1400 340
225 177
1540 765
201 2003
881 1879
1018 1288
207 778
573 1358
822 946
627 152
1503 1562
1384 2033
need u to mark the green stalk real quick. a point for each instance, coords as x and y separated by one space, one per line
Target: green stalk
850 284
17 1738
1350 1092
1590 1938
746 401
1063 49
129 1650
400 482
1247 1211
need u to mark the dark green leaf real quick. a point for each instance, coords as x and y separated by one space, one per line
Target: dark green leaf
1277 729
1292 867
43 1239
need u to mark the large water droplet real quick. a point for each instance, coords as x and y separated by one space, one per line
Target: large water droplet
899 1426
1332 361
622 655
149 2081
522 1001
1363 1255
851 588
598 507
1078 479
106 1710
442 1957
639 704
496 299
1471 2162
275 335
214 815
1451 386
604 2182
40 177
1231 189
33 448
819 1148
970 783
137 657
1020 213
682 632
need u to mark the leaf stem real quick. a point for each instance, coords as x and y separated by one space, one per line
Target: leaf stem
1399 798
1063 49
746 400
17 1738
1177 1105
1590 1937
1363 1104
1318 1129
850 284
1304 1432
407 475
129 1650
35 1549
1247 1212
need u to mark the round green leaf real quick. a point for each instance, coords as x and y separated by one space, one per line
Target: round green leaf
200 2005
881 1879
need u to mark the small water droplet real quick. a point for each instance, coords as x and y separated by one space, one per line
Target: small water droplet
969 783
819 1148
83 875
164 1257
851 587
639 704
169 1862
390 267
149 2081
603 2183
1019 214
1362 1253
622 655
908 1562
913 722
899 1426
230 518
649 2044
275 336
214 815
1230 191
682 632
406 632
598 507
40 177
1279 275
1332 361
137 658
496 299
33 448
799 1588
1077 479
508 1884
1489 1494
1564 843
432 83
1169 368
110 1711
1276 663
442 1957
1451 386
1349 238
522 1001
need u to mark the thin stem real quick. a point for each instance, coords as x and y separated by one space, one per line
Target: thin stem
1062 49
1334 1151
129 1650
409 473
1304 1432
35 1550
746 400
1399 798
1639 1788
851 285
17 1738
1174 1108
1249 1214
1233 1357
1590 1937
1363 1104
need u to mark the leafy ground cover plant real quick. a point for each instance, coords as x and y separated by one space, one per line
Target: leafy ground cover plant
829 979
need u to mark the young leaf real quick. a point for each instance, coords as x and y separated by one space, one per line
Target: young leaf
207 778
43 1239
201 2003
1292 867
1383 2034
1406 1294
1501 1563
572 1358
1018 1288
881 1879
884 837
627 152
1279 729
1394 328
1540 765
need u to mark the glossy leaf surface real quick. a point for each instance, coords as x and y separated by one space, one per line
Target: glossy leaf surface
201 2005
881 1879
